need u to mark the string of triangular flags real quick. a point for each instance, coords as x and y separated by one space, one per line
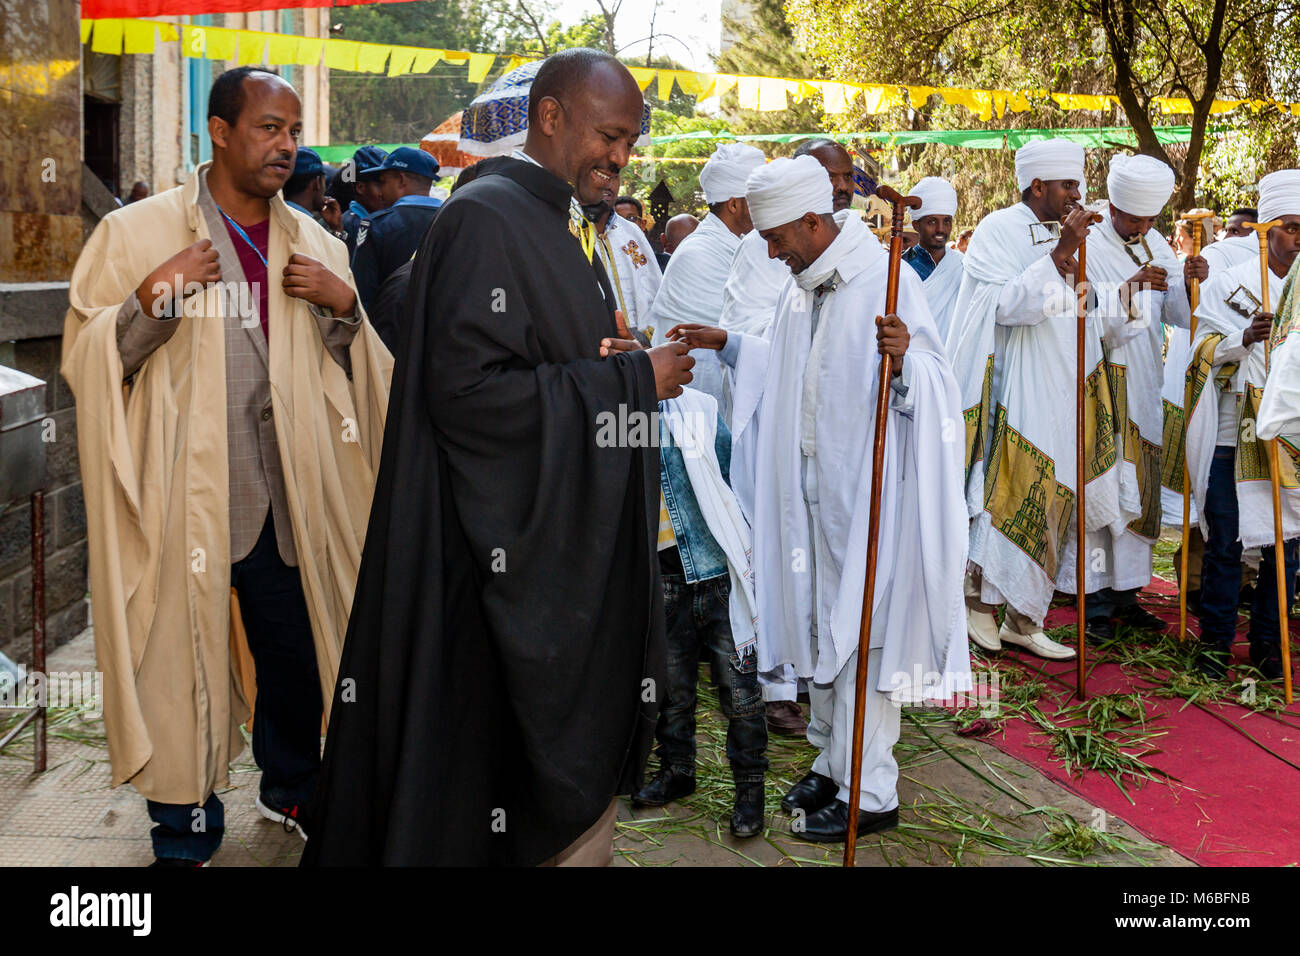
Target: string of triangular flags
762 93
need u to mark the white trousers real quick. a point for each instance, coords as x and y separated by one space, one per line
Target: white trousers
831 731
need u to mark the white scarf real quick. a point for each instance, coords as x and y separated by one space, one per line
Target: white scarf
941 288
753 286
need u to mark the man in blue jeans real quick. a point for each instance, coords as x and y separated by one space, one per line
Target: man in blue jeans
696 599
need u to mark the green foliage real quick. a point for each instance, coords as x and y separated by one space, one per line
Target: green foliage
642 175
764 46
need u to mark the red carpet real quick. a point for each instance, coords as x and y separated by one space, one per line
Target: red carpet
1232 800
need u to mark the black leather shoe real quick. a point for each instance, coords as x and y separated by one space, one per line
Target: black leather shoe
830 824
747 817
1213 660
1099 631
664 787
1136 616
1267 658
810 794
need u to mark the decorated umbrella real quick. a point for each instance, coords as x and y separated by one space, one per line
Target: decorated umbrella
443 144
496 122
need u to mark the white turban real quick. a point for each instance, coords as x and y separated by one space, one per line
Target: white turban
937 196
1049 159
1279 195
1139 185
785 189
723 176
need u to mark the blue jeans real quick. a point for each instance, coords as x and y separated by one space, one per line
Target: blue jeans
696 616
1221 568
287 721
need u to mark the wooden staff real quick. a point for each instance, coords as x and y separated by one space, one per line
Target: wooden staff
1080 535
873 524
1275 476
1195 219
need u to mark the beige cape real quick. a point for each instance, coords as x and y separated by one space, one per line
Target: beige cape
155 475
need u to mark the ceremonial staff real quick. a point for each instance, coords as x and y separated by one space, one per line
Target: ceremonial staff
1195 219
873 524
1081 329
1275 474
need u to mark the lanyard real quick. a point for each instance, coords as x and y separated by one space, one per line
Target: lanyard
243 235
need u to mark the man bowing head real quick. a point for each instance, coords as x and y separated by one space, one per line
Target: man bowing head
504 664
231 400
803 428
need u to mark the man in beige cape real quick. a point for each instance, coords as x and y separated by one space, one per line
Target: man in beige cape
231 401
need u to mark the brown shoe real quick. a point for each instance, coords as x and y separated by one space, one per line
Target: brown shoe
786 718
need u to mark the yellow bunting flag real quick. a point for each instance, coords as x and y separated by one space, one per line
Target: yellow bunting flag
426 60
879 99
642 75
167 33
309 51
665 84
692 83
479 65
341 54
282 49
401 61
252 48
108 37
833 99
1224 106
747 92
86 26
371 57
1018 102
918 95
455 56
138 36
771 94
515 62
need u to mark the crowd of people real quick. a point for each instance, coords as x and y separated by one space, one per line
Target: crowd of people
481 482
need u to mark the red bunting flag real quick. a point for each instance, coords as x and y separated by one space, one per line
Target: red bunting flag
121 9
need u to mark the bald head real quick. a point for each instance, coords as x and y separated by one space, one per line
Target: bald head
584 117
677 229
839 165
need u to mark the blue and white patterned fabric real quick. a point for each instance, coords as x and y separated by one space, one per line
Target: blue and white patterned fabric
497 121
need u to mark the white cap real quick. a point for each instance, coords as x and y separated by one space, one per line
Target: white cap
1049 159
1139 185
724 175
787 189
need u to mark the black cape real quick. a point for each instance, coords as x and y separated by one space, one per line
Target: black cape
505 653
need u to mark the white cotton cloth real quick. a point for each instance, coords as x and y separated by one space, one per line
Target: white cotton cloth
1279 411
1215 317
1048 159
753 286
937 196
632 269
692 291
1133 343
1015 311
725 174
1220 256
692 420
813 510
1139 185
786 189
1279 195
941 288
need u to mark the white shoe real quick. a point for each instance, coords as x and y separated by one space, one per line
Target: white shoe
1037 643
982 628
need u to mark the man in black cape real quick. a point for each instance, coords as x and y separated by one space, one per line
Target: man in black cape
500 681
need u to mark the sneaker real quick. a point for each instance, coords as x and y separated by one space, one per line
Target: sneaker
293 818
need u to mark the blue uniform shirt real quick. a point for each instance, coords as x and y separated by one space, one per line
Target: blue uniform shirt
389 238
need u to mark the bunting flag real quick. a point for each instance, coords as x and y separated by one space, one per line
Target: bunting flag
127 35
101 9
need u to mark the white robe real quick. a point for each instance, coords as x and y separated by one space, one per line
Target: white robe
1178 354
1121 557
794 396
941 288
753 285
692 290
633 272
1254 488
1279 412
1013 347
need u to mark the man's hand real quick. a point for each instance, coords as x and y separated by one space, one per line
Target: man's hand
196 265
672 368
305 278
699 336
626 342
1148 277
1073 231
1195 267
1260 326
332 214
892 339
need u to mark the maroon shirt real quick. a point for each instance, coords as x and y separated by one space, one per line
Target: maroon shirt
254 270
